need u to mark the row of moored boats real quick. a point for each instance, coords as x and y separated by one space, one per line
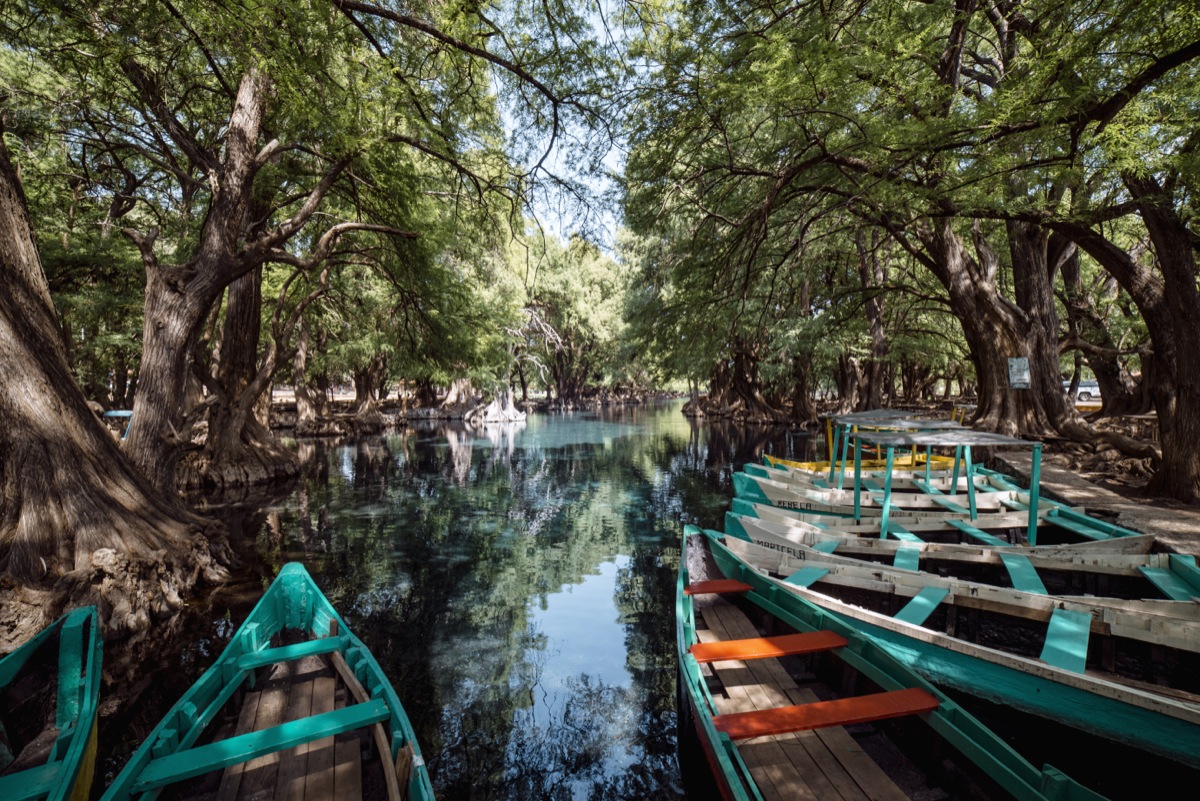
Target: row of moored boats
831 633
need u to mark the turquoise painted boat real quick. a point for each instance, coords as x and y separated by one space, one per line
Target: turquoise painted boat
1124 671
765 735
287 711
1003 507
1122 567
51 692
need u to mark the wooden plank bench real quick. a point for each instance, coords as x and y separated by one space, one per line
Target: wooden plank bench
767 647
1022 573
979 534
821 765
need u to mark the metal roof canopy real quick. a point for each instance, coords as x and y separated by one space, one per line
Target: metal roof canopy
949 436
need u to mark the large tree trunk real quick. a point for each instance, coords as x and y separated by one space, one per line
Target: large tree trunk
1178 417
240 450
872 276
78 524
850 378
178 298
1119 394
803 410
997 330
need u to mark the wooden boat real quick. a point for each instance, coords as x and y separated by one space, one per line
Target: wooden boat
1008 515
48 708
1125 567
842 501
1126 671
910 481
907 465
770 732
287 711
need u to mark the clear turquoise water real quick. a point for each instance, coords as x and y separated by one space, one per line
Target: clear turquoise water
518 587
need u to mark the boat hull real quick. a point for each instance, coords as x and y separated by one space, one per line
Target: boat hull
295 612
68 773
1109 718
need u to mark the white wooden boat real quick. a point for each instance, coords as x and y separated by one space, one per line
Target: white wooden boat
1125 567
1128 671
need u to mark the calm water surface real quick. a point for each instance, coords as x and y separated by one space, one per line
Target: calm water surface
517 585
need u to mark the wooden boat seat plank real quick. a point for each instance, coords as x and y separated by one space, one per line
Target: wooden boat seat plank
949 504
807 576
921 606
1076 526
768 647
1184 566
30 784
1066 642
979 534
1022 573
1168 583
200 760
901 533
289 653
826 546
907 558
839 712
716 586
844 770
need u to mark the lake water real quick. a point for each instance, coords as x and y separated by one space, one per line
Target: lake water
517 585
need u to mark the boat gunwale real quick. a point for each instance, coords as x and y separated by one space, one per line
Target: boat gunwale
274 612
79 757
950 720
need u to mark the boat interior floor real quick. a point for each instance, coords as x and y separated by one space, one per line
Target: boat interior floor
342 767
839 762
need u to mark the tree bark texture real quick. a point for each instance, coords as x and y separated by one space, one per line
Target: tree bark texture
178 298
239 450
78 523
872 276
1178 417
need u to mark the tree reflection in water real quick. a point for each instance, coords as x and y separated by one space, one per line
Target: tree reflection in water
517 585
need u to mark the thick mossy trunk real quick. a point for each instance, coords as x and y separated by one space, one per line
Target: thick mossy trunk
78 524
